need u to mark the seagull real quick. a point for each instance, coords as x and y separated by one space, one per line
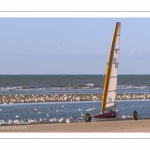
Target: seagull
53 120
61 120
129 116
40 120
93 108
17 116
10 121
48 114
123 116
80 119
68 120
35 109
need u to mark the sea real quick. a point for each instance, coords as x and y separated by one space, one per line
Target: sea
78 84
75 110
58 84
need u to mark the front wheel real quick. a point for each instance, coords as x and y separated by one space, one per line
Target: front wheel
135 115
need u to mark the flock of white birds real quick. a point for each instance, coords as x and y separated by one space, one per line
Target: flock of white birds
11 99
133 96
29 121
18 119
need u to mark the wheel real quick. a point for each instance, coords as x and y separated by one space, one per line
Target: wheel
135 115
90 118
87 117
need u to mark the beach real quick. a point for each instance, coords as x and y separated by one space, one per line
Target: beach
110 126
35 98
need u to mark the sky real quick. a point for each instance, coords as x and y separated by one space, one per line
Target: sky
72 45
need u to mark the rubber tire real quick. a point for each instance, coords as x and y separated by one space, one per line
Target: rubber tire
87 117
135 115
90 118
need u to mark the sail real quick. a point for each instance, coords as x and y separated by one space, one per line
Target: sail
110 85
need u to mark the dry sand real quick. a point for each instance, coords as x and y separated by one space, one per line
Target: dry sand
142 125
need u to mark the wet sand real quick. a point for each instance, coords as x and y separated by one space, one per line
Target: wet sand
110 126
11 99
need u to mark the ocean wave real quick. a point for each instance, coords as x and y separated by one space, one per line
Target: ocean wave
87 88
124 87
89 84
10 88
15 88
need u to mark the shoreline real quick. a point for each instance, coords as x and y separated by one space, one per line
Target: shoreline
36 98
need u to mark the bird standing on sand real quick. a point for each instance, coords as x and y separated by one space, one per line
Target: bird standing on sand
68 120
53 120
40 120
61 120
80 119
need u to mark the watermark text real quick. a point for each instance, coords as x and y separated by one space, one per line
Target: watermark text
13 127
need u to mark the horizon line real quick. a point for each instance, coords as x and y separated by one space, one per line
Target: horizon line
69 74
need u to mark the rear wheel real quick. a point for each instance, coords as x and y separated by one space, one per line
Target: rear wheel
87 117
135 115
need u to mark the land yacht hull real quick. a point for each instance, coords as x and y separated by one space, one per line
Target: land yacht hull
106 115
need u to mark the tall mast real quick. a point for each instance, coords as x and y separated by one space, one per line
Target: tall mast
108 68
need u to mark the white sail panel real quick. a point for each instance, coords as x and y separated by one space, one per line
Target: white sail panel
112 86
110 99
